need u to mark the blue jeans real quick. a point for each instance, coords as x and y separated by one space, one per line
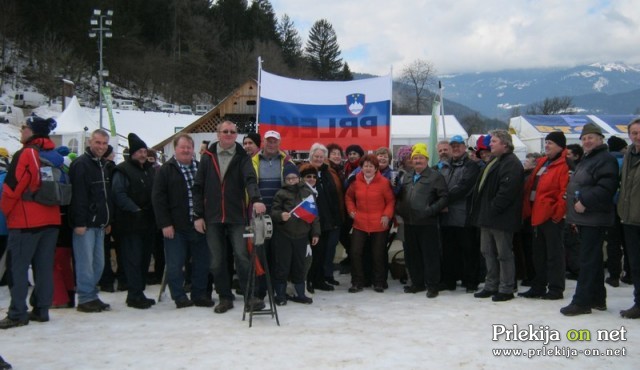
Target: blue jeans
31 247
216 234
88 251
176 250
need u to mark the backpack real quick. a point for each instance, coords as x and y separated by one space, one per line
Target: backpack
55 189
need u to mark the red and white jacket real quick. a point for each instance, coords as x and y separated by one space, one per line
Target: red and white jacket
23 175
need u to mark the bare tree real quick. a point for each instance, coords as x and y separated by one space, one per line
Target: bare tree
550 106
419 75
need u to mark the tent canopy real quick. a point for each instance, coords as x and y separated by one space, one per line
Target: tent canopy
532 129
408 130
74 119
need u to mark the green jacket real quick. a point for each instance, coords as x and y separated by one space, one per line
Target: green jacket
628 209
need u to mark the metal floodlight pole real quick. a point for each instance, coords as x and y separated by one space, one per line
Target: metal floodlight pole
98 19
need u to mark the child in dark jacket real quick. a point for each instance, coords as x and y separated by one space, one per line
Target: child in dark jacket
291 236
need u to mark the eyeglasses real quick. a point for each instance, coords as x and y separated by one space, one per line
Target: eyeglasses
291 178
310 176
227 132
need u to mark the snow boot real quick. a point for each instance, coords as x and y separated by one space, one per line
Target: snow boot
300 296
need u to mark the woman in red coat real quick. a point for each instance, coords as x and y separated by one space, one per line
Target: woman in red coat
370 203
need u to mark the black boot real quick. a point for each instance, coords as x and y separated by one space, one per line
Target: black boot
281 293
300 296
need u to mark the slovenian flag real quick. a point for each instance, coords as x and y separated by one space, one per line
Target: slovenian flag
306 210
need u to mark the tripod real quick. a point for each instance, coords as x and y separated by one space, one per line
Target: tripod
258 256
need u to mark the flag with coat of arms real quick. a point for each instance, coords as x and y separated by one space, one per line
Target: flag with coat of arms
306 210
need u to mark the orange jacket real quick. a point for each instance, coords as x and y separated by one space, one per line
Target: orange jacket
23 174
550 200
370 202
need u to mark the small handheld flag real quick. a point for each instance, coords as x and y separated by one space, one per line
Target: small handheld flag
306 210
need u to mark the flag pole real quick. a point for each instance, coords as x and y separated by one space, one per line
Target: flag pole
444 126
258 100
390 105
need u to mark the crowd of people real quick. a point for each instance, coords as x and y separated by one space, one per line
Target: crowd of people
478 215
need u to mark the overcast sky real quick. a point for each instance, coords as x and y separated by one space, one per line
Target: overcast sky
473 35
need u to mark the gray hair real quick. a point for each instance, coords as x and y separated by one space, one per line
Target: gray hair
317 146
505 137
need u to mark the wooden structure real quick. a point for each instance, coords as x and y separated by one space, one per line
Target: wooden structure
239 107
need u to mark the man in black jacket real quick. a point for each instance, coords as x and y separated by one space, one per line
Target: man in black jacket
135 223
590 206
460 252
89 216
224 181
497 210
173 206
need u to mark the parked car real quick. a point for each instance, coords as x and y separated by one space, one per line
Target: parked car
27 99
169 108
126 104
202 109
10 114
186 109
149 106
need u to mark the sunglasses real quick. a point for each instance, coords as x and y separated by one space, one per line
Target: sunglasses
227 132
310 176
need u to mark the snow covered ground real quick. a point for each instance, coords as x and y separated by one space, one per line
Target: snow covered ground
339 330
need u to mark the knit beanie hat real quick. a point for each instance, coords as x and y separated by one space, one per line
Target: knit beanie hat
109 151
616 144
63 150
355 148
41 126
419 149
290 169
135 143
591 128
254 137
308 169
558 138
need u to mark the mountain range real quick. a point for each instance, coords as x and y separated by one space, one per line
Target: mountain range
605 88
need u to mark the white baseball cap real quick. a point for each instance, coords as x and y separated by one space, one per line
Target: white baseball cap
273 134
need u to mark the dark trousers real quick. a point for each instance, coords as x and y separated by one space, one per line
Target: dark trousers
423 244
460 256
377 245
289 254
316 272
548 257
136 254
616 248
185 244
590 288
572 249
34 247
632 239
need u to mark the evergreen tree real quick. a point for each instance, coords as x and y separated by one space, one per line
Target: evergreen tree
322 51
346 74
290 41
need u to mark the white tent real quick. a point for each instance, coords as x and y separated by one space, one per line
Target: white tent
408 130
532 129
74 124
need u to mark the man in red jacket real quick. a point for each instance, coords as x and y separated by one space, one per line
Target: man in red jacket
33 227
